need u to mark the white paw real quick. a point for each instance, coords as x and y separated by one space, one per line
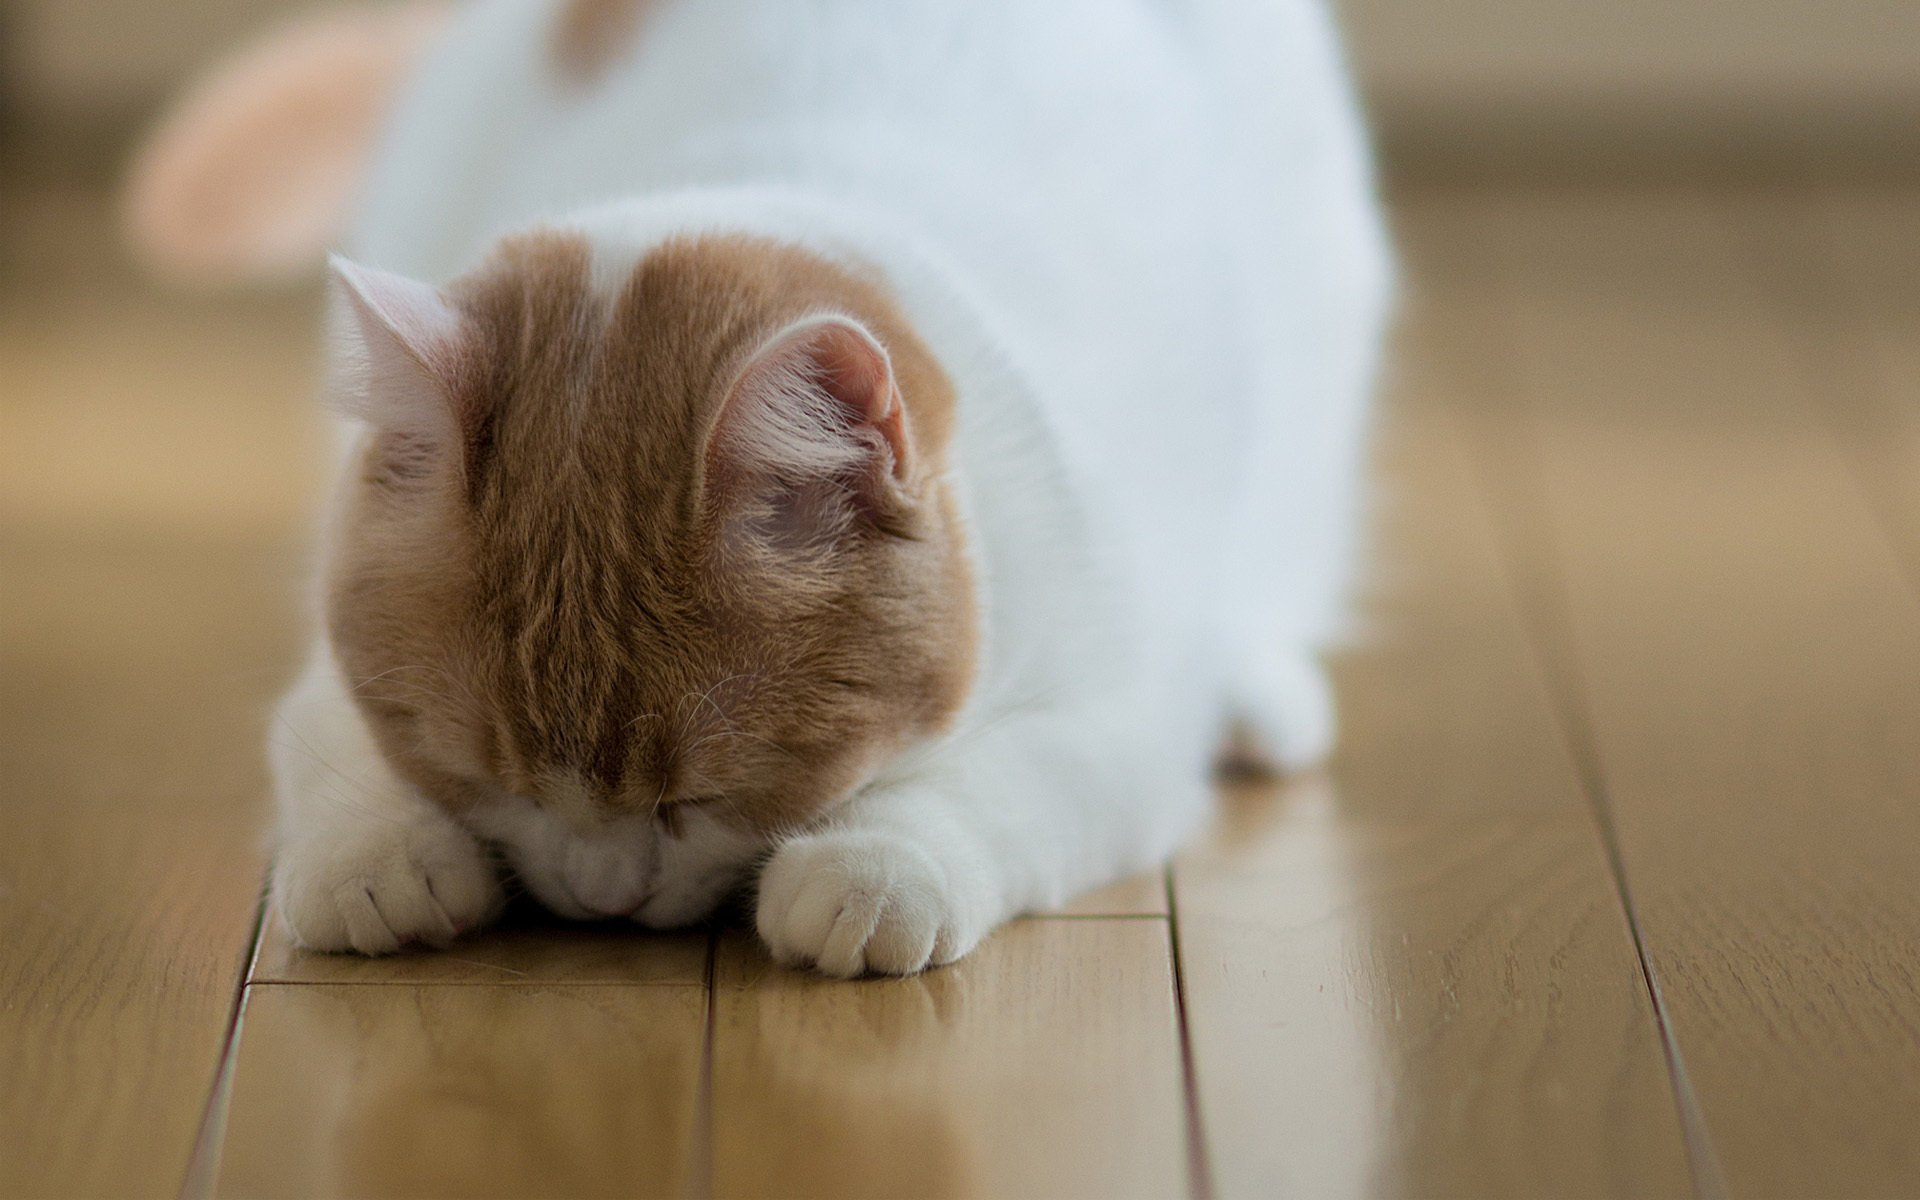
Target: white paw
1289 709
856 902
383 888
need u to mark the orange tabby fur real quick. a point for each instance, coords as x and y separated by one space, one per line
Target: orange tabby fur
556 606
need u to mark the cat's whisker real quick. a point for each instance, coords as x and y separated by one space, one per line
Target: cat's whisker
645 716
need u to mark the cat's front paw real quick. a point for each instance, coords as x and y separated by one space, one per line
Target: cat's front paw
380 891
851 903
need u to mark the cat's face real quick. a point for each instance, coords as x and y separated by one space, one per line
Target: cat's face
636 574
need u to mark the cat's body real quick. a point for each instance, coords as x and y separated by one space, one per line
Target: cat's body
1138 239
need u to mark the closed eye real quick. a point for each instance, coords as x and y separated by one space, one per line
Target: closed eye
667 816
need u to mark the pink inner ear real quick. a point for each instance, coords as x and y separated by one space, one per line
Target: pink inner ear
402 345
856 371
819 400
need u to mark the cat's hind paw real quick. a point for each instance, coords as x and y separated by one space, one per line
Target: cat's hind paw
850 903
1286 715
379 894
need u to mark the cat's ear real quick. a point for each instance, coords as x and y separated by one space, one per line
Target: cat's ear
814 428
399 348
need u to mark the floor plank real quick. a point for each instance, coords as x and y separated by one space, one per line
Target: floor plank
527 948
1421 1009
1845 266
464 1091
1142 895
1414 977
1046 1064
1742 651
149 473
130 859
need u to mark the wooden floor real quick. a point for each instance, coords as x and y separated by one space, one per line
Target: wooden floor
1613 890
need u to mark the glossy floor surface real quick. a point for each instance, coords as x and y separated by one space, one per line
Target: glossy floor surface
1614 888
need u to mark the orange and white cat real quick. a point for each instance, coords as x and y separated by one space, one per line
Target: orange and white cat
860 454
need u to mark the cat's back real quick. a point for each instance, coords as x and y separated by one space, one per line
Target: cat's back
1064 122
1141 189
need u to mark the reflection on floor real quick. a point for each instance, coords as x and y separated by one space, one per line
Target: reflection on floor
1612 888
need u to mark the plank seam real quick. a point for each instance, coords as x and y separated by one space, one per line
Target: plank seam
1199 1168
700 1140
1549 629
204 1160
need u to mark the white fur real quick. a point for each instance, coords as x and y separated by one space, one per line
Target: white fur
381 323
1141 237
364 862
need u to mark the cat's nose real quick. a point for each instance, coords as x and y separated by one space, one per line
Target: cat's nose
608 877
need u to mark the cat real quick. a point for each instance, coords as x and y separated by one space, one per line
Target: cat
862 455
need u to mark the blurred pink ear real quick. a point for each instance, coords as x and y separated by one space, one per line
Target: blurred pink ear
818 401
398 353
250 175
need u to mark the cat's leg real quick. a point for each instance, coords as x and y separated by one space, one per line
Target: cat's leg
1021 815
363 861
1284 595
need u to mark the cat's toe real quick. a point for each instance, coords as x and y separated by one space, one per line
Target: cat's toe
465 886
852 904
392 910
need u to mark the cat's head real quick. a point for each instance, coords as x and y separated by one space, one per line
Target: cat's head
638 568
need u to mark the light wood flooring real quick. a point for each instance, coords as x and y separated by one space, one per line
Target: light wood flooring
1614 888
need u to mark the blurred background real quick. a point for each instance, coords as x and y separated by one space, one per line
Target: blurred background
1590 87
